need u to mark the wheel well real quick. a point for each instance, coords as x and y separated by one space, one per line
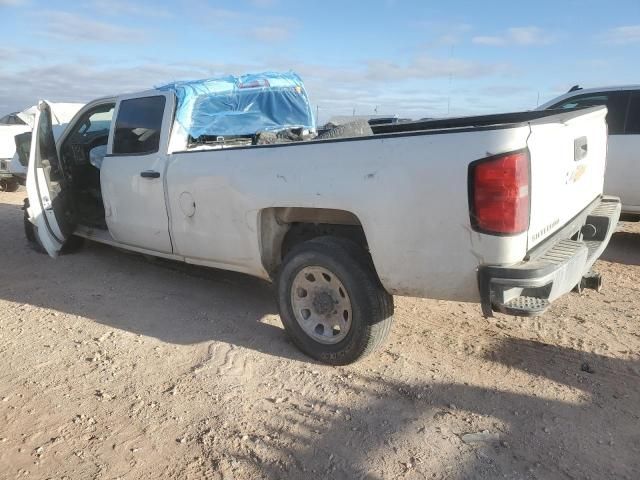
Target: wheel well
282 228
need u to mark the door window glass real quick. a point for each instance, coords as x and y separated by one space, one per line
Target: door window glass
47 155
583 102
98 120
616 103
633 117
138 125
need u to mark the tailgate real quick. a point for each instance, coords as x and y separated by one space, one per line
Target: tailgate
568 157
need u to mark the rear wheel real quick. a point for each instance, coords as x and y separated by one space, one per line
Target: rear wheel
331 301
9 184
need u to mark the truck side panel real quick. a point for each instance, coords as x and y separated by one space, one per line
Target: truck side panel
409 193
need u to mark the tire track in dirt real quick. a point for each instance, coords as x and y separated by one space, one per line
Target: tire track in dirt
225 360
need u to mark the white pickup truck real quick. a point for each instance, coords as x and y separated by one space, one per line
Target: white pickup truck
502 210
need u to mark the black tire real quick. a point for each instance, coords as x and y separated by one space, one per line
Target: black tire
72 245
9 185
30 232
372 306
359 128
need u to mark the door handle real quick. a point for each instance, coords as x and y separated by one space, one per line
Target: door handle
150 174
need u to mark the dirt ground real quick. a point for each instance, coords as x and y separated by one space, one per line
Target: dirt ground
112 366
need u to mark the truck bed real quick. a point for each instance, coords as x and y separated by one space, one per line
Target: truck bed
425 127
499 120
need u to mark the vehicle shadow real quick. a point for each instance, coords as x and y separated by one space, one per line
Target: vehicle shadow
582 424
589 430
624 248
170 301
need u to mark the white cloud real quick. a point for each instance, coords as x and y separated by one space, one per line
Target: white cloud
625 35
505 90
487 40
82 81
6 54
271 33
241 23
425 67
20 55
519 36
125 8
263 3
409 89
12 3
219 17
448 39
442 33
336 88
73 27
273 29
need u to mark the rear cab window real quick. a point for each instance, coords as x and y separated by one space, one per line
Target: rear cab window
138 125
616 103
633 115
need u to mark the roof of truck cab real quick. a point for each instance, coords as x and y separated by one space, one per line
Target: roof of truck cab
582 91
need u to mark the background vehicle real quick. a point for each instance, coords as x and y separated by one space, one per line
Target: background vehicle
623 163
505 210
12 119
12 172
10 126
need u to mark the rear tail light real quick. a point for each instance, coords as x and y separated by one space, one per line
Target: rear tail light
499 194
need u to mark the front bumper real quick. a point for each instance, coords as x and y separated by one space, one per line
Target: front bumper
553 269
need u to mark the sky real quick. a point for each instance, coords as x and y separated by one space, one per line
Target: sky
412 58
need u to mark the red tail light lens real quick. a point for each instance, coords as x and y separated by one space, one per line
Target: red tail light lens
499 194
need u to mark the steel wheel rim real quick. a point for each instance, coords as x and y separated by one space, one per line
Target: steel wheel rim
321 305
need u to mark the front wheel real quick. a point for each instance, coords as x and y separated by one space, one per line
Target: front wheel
30 231
72 245
331 301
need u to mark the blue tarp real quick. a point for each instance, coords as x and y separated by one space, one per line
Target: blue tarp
242 105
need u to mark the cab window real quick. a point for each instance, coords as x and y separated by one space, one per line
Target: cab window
138 125
99 121
633 117
95 122
90 131
616 103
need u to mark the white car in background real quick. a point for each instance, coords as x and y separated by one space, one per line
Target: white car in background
12 172
623 173
10 126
